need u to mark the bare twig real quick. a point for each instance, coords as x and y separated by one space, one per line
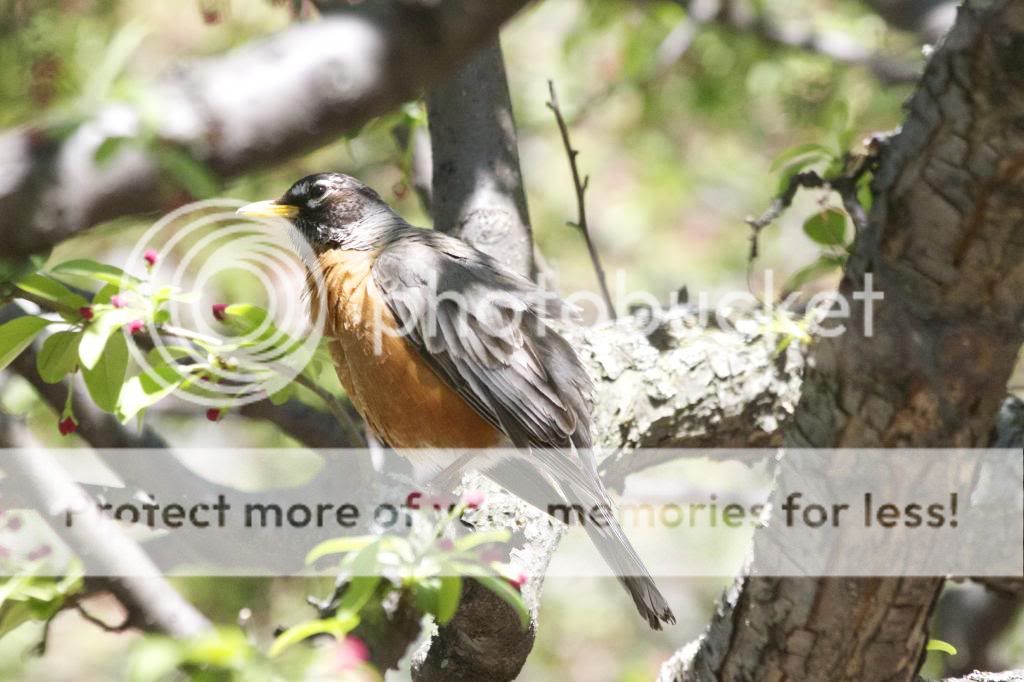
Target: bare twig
99 622
843 183
581 206
809 179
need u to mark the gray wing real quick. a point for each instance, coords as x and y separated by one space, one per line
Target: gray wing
482 328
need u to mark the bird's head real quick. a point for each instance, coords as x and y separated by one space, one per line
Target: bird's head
331 210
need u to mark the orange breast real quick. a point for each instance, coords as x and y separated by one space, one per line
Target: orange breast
402 399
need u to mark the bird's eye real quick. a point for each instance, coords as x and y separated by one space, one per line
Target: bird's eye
317 191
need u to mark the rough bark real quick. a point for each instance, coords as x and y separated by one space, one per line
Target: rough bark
977 676
474 147
945 244
478 195
265 102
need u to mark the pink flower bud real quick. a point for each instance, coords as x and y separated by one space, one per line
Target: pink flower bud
518 580
473 499
350 653
219 311
151 257
135 326
117 300
445 544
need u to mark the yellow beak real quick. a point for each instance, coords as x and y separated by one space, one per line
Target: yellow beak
268 209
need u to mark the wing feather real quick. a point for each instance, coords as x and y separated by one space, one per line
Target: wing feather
485 331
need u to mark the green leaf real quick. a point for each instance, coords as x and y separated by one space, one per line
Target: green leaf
358 592
16 335
792 169
448 598
144 390
98 271
98 331
106 378
824 265
509 595
59 356
49 289
282 396
338 626
107 149
939 645
482 538
191 174
827 227
224 647
339 546
155 658
812 149
245 318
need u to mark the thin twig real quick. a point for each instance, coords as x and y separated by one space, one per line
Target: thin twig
99 622
843 183
581 207
809 179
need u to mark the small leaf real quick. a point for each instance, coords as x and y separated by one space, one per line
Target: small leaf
508 594
144 390
106 378
98 271
59 356
339 546
358 592
939 645
189 173
94 338
824 265
827 227
813 149
49 289
448 598
107 149
482 538
16 335
338 626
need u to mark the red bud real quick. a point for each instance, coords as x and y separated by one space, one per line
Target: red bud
86 312
66 426
135 326
151 257
213 414
219 311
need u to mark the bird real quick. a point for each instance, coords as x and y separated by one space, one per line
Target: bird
442 349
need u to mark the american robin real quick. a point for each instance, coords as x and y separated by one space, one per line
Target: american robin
442 349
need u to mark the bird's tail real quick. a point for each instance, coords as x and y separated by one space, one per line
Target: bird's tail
585 493
607 535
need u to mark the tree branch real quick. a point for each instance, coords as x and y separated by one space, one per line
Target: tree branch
478 195
478 191
329 76
101 545
946 245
